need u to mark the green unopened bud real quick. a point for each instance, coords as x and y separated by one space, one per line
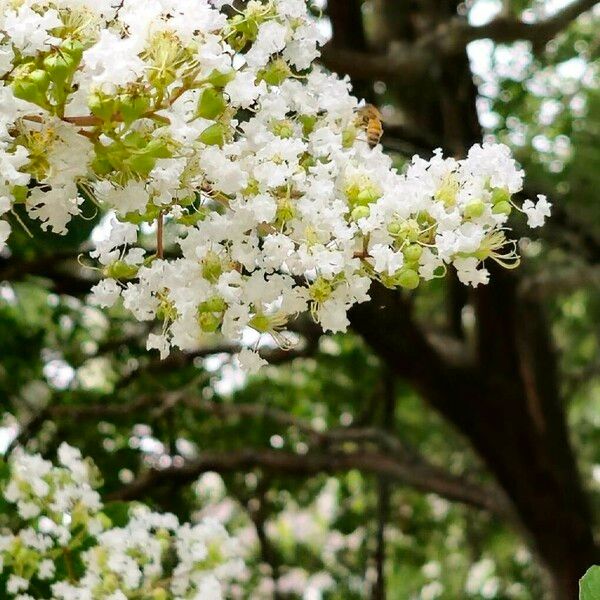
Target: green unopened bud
394 228
410 230
211 267
360 212
474 209
209 322
101 106
283 129
412 253
502 208
500 195
121 270
216 304
275 73
59 66
159 594
72 48
26 89
214 135
349 136
132 107
408 279
368 195
40 78
308 124
141 164
212 104
220 80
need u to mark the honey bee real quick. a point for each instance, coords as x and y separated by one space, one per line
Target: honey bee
369 119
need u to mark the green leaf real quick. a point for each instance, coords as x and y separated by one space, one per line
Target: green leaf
589 586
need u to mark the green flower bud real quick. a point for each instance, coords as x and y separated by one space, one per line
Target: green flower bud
408 279
360 212
159 594
394 228
211 267
102 106
308 124
500 195
214 135
349 136
368 195
215 304
410 230
502 208
73 48
59 66
220 80
120 270
209 322
212 104
283 129
412 253
40 78
132 107
276 72
474 209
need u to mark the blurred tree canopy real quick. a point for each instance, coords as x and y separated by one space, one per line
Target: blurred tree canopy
449 445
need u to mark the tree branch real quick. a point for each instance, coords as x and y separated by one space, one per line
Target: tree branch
425 478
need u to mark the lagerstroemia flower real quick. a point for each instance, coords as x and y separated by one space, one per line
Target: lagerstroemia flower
214 127
68 544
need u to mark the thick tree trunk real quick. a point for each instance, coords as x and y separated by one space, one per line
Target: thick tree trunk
508 405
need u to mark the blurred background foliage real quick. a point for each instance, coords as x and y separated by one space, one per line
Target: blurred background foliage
69 371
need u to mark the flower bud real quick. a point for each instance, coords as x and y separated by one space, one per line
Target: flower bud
211 267
408 279
220 80
101 105
159 594
211 105
502 208
412 253
132 107
59 66
276 72
214 135
500 195
209 322
360 212
215 304
120 270
474 209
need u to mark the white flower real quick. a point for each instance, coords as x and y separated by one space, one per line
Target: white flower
538 212
105 293
249 361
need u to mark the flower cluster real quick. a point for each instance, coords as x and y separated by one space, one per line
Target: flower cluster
212 127
68 548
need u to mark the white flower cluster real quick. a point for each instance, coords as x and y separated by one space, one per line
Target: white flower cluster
212 125
68 549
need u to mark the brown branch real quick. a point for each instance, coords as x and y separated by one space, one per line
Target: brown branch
414 61
427 479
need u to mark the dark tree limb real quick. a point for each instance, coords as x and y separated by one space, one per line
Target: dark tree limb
425 478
